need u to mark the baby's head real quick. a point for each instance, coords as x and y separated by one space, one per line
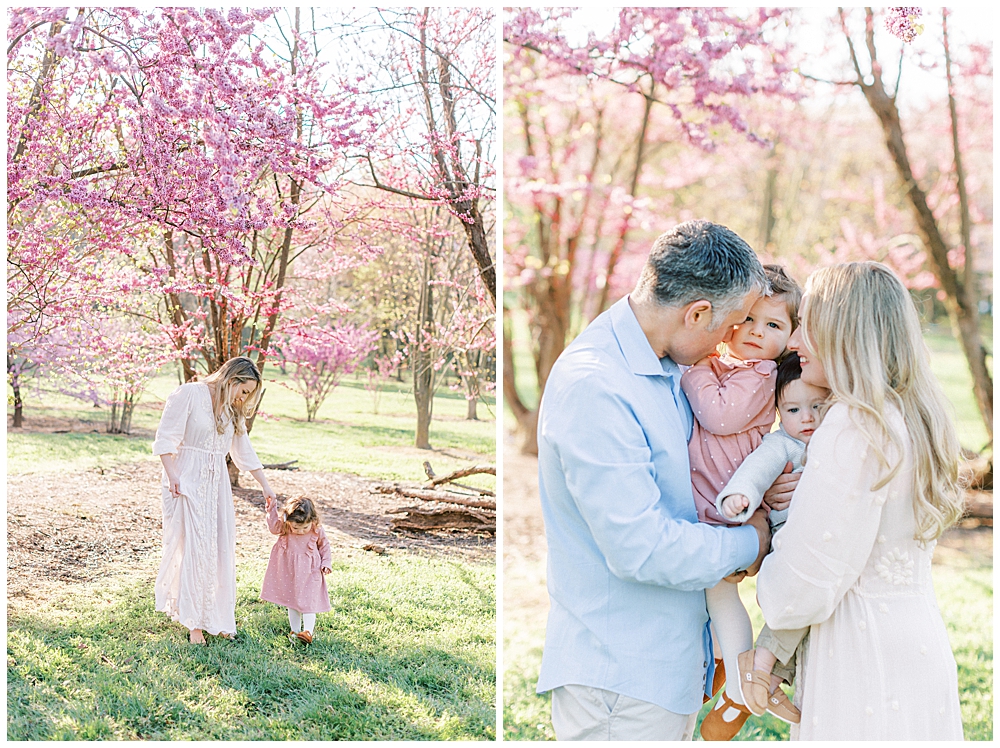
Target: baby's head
300 516
800 405
771 321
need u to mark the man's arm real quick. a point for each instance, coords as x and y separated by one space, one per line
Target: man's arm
596 443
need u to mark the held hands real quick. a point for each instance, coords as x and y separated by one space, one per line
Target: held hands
779 495
733 504
268 503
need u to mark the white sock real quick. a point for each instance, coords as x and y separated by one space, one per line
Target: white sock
308 622
295 619
733 629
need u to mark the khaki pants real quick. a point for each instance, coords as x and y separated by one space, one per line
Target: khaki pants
782 644
586 713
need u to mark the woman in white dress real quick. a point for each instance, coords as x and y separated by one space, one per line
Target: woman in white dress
201 423
880 485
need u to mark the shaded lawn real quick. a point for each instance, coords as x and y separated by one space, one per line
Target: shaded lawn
407 653
346 437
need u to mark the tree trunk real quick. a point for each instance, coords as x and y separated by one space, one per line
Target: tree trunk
470 410
18 404
527 419
963 316
120 420
423 393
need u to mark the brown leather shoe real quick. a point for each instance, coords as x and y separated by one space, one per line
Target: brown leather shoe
715 725
305 636
779 705
754 684
718 681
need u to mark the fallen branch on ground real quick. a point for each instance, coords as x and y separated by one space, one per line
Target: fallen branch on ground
443 519
425 494
451 477
281 465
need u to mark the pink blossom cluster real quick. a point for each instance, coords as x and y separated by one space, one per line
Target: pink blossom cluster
900 23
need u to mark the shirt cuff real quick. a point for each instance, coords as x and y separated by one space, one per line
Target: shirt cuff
747 546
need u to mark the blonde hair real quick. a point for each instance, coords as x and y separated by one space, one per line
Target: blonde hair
860 323
225 380
299 511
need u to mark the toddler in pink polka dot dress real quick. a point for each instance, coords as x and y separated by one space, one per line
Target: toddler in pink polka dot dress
732 399
299 560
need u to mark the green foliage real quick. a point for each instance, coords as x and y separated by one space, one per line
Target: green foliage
346 436
406 653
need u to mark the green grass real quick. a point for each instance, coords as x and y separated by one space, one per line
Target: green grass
965 596
952 371
407 653
347 435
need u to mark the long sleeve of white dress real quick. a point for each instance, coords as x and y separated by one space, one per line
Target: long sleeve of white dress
878 664
243 454
173 421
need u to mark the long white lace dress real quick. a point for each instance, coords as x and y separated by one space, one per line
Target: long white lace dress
196 585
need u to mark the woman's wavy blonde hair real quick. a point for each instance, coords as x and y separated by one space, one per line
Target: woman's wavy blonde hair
225 380
860 323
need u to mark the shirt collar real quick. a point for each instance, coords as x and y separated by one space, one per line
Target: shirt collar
639 354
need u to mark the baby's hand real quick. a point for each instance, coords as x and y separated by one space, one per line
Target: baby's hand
326 570
734 504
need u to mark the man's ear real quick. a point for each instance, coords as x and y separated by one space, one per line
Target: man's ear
698 314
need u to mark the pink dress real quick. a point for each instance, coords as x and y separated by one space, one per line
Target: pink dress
733 406
294 578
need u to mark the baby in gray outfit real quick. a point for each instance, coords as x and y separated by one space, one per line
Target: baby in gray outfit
801 407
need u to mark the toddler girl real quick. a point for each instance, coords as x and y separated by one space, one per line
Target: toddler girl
299 559
732 399
800 406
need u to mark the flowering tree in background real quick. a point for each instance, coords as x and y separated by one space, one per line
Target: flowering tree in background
319 357
960 293
585 119
437 135
176 124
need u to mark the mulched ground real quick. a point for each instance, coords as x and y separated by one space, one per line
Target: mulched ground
79 526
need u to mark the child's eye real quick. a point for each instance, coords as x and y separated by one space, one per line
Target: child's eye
793 410
748 319
773 324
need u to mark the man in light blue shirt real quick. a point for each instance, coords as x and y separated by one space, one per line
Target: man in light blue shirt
627 642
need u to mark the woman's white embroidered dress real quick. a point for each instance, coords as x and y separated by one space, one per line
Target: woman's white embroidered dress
196 585
877 664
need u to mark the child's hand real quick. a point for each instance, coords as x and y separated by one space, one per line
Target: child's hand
734 504
268 503
326 570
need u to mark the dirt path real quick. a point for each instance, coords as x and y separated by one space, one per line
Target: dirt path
79 526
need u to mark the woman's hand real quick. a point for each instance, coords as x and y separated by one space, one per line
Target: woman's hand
174 485
269 494
268 503
779 495
173 480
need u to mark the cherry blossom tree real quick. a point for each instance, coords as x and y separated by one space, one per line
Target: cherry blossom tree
956 283
437 134
319 357
585 119
183 125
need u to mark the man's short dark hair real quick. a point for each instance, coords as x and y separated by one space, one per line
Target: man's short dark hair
702 260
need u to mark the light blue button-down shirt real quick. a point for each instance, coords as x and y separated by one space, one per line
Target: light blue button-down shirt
628 561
